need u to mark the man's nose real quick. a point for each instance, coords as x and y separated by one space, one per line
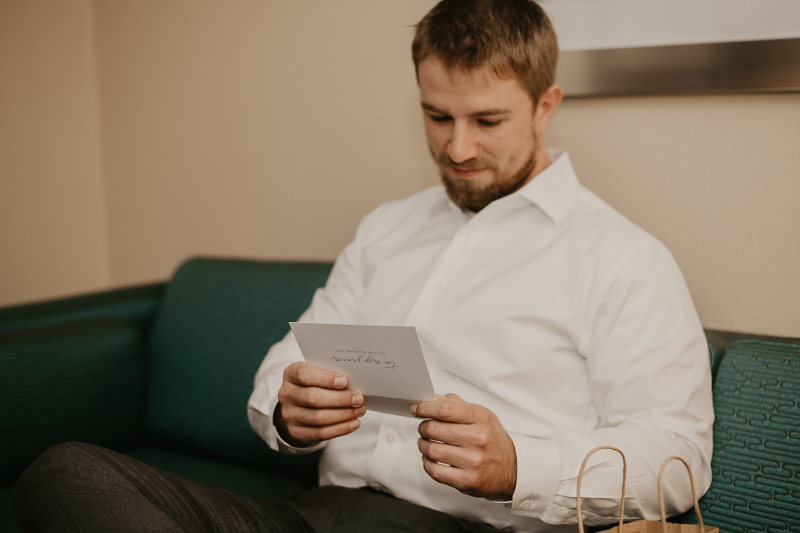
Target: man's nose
462 146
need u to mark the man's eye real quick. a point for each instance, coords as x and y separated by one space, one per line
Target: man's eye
488 123
439 118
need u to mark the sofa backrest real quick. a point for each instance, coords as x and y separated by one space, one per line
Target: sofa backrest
218 319
756 463
135 305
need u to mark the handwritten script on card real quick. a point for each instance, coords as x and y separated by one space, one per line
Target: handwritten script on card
369 359
384 363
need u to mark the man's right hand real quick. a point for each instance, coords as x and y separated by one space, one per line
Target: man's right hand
314 406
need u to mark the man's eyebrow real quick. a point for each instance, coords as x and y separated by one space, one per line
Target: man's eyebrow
485 113
432 109
491 112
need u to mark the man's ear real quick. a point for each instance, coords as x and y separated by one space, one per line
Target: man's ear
548 103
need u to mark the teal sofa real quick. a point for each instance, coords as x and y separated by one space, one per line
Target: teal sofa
163 372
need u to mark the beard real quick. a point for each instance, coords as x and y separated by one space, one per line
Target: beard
474 197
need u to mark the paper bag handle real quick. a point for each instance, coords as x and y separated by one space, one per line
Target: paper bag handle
580 479
661 494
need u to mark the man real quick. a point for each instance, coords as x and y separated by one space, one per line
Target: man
554 324
551 323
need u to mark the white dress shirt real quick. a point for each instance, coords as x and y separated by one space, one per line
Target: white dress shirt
572 324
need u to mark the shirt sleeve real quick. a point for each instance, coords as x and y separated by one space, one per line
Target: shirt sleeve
650 382
335 303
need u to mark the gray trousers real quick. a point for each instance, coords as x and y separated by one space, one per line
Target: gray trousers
84 488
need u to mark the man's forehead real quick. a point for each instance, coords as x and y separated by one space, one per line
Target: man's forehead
480 89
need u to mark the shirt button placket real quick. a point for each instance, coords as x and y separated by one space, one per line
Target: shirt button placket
383 457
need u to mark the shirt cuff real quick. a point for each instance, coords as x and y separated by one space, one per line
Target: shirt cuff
538 475
260 410
285 447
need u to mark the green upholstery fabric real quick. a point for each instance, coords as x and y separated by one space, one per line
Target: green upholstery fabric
248 480
720 340
8 524
217 322
715 356
83 381
135 305
756 462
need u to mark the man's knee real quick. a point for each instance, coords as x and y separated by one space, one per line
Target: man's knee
59 468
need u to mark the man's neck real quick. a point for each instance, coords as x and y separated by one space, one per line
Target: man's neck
542 162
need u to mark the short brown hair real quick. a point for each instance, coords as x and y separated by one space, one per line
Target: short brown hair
512 37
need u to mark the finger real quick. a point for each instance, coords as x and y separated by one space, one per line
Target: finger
312 435
448 410
447 432
436 430
443 453
320 398
307 375
301 416
447 475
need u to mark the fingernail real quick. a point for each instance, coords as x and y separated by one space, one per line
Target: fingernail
340 382
414 409
354 424
361 411
357 400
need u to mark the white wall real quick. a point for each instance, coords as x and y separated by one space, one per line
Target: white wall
258 129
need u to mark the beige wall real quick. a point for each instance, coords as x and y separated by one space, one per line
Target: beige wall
52 216
717 179
268 129
251 128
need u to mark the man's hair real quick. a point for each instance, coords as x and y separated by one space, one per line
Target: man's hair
512 37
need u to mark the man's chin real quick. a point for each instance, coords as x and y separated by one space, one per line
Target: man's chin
466 194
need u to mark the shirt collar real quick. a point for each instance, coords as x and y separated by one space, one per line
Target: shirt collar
552 189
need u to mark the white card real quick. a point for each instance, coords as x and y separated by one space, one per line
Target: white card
384 363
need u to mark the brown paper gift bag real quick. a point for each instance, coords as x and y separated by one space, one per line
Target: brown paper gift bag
645 526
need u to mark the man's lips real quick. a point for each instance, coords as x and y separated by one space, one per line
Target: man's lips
465 174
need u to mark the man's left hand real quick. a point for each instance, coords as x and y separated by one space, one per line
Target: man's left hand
466 447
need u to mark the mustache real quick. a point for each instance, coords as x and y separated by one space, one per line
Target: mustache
470 164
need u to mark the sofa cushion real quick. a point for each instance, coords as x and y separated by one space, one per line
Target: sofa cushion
218 319
76 382
756 462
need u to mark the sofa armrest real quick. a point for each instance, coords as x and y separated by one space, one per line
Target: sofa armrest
136 305
82 381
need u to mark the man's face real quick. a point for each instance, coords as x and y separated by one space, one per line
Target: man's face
482 132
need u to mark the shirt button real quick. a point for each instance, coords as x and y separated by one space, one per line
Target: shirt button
391 437
378 487
437 287
526 505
